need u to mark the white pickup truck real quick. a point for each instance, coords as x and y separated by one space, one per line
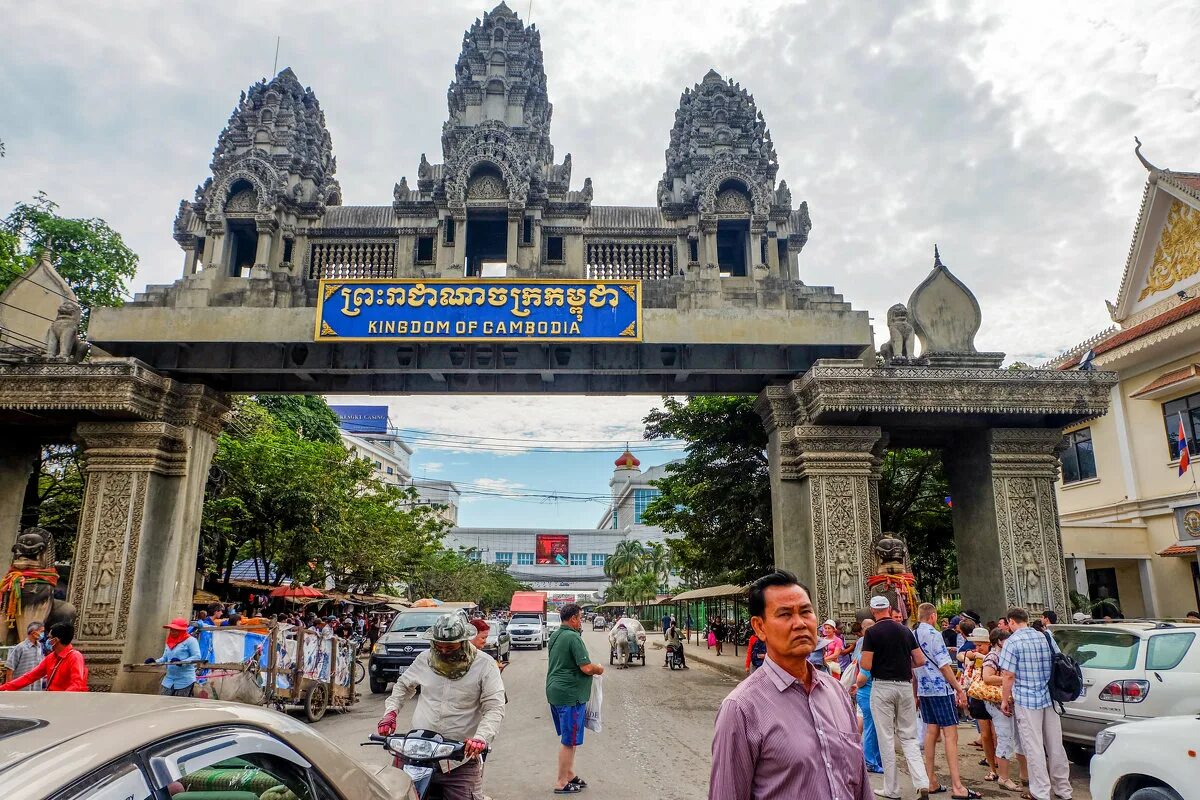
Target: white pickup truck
527 629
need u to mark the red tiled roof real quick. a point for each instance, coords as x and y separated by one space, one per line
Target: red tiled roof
1167 379
1179 550
1168 317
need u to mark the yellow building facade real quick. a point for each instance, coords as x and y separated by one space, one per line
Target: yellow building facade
1130 520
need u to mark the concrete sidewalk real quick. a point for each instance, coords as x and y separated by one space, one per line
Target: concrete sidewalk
728 664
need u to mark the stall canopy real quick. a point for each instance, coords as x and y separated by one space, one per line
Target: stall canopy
724 590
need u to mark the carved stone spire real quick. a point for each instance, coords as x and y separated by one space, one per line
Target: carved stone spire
719 133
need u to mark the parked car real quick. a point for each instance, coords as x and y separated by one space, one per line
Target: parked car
1156 759
399 646
73 746
498 644
599 623
1131 671
553 623
527 629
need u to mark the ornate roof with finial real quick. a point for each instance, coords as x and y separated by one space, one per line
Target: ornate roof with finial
719 129
627 460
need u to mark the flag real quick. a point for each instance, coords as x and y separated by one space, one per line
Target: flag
1185 459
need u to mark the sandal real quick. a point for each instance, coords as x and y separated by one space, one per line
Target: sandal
939 790
970 795
991 776
1005 783
569 788
578 781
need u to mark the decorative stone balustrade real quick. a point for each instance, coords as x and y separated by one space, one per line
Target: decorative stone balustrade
359 258
646 261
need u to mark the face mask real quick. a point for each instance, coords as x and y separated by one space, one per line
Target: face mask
455 664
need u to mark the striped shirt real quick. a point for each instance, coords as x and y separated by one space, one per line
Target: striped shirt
23 658
776 739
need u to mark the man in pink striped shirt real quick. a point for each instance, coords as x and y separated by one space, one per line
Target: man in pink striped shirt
788 730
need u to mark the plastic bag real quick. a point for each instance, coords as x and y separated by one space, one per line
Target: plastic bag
591 715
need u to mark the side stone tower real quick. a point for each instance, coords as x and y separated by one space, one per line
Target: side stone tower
720 180
272 178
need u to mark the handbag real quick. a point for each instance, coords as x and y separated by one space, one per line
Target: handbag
591 714
985 692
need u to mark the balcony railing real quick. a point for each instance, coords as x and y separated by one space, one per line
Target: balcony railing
647 261
352 259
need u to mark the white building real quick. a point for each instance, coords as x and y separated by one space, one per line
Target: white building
569 563
390 456
431 491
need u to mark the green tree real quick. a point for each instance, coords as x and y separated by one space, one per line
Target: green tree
912 503
308 415
91 257
455 576
717 499
59 498
657 562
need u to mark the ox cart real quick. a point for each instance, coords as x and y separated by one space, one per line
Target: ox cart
280 665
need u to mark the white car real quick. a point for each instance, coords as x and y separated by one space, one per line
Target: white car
1131 671
526 629
1156 759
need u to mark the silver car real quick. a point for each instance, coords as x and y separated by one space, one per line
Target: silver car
1131 671
498 644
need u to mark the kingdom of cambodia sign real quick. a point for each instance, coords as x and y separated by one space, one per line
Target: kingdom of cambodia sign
479 310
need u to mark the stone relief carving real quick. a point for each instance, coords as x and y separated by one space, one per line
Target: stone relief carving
732 201
486 187
1033 598
847 596
245 201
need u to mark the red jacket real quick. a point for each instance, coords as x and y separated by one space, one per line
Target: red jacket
65 670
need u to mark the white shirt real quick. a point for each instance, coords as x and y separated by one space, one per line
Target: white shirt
471 707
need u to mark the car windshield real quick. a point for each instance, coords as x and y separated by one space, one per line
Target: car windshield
1099 649
411 622
525 618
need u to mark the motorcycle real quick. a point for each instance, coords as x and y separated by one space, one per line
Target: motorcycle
418 753
675 656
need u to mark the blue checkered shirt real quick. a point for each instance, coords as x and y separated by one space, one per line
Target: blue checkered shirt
930 680
1028 655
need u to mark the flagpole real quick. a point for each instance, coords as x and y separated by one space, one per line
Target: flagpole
1191 466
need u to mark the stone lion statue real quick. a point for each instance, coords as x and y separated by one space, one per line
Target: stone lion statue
901 346
891 552
32 579
62 340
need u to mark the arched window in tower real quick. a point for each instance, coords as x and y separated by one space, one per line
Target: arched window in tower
497 65
498 36
242 237
733 229
487 223
494 100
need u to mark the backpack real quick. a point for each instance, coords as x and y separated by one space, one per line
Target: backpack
1066 678
758 653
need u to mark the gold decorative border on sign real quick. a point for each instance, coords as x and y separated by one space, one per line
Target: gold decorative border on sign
327 288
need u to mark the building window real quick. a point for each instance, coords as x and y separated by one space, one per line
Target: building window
503 558
378 465
693 251
527 231
525 559
1078 460
554 249
598 559
615 524
579 559
448 231
472 555
287 250
1189 408
424 249
641 499
390 471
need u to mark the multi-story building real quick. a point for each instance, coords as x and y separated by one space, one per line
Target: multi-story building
1130 515
387 453
432 491
571 561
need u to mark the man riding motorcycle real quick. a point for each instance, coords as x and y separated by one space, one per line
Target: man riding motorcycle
462 697
675 642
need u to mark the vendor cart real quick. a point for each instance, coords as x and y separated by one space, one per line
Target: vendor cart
286 667
637 651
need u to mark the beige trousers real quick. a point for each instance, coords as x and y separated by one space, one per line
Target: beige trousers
895 714
1040 732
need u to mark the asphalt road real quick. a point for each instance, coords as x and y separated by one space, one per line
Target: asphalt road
656 739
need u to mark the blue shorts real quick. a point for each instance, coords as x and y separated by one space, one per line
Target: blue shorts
939 710
568 723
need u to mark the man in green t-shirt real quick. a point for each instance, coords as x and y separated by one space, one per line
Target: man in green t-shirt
568 689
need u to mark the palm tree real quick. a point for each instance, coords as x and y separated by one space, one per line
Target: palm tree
657 562
625 561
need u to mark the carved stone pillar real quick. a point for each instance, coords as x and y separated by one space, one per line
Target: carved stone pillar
773 254
708 232
189 258
824 501
18 456
139 529
262 254
1006 519
515 216
460 245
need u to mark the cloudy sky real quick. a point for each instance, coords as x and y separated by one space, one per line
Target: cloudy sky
1001 131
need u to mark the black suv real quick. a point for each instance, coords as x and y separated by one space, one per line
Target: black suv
400 645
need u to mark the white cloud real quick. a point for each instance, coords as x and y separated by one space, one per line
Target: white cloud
431 467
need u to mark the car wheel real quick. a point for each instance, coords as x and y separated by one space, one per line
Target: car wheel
1078 753
1154 793
378 687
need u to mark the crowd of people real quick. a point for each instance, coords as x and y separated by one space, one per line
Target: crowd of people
816 716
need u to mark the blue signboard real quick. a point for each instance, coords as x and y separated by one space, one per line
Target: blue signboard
362 419
479 310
